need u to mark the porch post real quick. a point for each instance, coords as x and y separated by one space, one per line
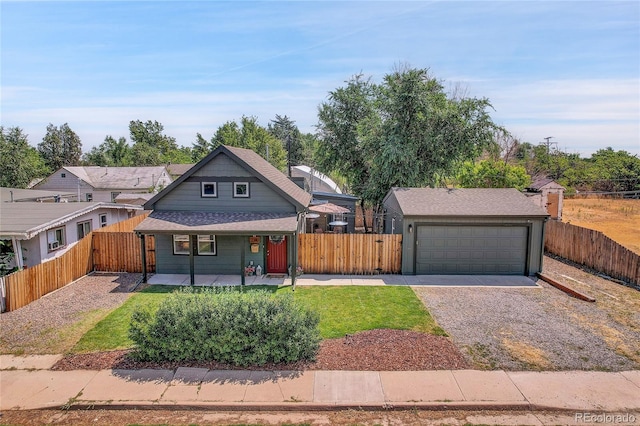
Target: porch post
17 252
294 259
242 260
193 240
143 257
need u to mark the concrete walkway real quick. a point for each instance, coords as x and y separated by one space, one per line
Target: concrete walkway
366 280
28 383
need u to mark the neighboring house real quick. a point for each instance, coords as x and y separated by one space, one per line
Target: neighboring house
314 180
230 210
41 231
548 194
96 183
177 170
21 195
469 231
137 199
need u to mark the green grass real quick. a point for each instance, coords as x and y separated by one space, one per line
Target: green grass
349 309
112 332
343 310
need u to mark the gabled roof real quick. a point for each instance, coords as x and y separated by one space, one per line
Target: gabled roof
491 202
253 163
540 183
131 178
27 219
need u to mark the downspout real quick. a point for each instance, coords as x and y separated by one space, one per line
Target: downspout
544 225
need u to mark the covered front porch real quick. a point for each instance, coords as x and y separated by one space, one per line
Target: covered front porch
220 247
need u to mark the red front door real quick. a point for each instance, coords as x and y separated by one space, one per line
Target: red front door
277 255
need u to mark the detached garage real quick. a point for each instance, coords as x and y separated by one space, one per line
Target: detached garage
466 231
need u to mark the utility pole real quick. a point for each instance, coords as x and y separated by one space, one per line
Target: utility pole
548 143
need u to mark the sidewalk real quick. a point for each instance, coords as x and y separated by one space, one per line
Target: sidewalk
27 383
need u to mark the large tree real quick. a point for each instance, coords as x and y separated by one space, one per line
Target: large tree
20 163
285 130
249 134
151 147
492 174
111 152
405 131
60 147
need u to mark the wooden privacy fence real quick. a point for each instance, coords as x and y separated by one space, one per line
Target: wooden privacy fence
350 253
27 285
125 225
102 250
592 249
120 252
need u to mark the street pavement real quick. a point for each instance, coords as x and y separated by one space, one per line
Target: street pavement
29 383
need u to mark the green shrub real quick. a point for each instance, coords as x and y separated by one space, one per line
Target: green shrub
239 328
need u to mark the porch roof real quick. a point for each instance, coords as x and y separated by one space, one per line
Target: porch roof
185 222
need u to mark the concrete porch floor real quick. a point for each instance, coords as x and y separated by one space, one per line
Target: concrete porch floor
511 281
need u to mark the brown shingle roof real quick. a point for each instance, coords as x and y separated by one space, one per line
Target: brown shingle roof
464 202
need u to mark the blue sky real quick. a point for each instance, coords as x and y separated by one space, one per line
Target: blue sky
567 69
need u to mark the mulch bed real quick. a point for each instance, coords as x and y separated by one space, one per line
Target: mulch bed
375 350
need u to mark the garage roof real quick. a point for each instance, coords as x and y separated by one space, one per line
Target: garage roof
464 202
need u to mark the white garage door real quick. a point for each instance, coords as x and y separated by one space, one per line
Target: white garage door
479 250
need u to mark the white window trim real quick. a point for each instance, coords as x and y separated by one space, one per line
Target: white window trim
208 239
103 223
50 239
205 238
235 193
215 190
90 222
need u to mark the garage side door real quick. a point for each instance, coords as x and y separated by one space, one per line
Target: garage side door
488 250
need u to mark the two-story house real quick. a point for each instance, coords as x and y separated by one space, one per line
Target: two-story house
231 210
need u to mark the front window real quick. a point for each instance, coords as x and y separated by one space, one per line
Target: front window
180 244
84 228
88 196
103 220
55 239
209 189
241 189
206 245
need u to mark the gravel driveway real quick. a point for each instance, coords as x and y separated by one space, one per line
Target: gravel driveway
53 323
542 328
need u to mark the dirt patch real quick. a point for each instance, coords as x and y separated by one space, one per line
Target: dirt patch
618 219
374 350
54 323
542 328
318 418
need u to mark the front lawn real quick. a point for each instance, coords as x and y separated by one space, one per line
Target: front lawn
343 310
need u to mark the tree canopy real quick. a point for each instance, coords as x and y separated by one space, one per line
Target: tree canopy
60 147
406 131
20 163
249 134
153 148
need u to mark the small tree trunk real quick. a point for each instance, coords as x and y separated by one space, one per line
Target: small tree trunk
364 217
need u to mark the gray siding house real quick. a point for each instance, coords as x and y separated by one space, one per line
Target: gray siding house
231 210
40 231
466 231
95 183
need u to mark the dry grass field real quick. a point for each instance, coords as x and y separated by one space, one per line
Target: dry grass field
618 219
